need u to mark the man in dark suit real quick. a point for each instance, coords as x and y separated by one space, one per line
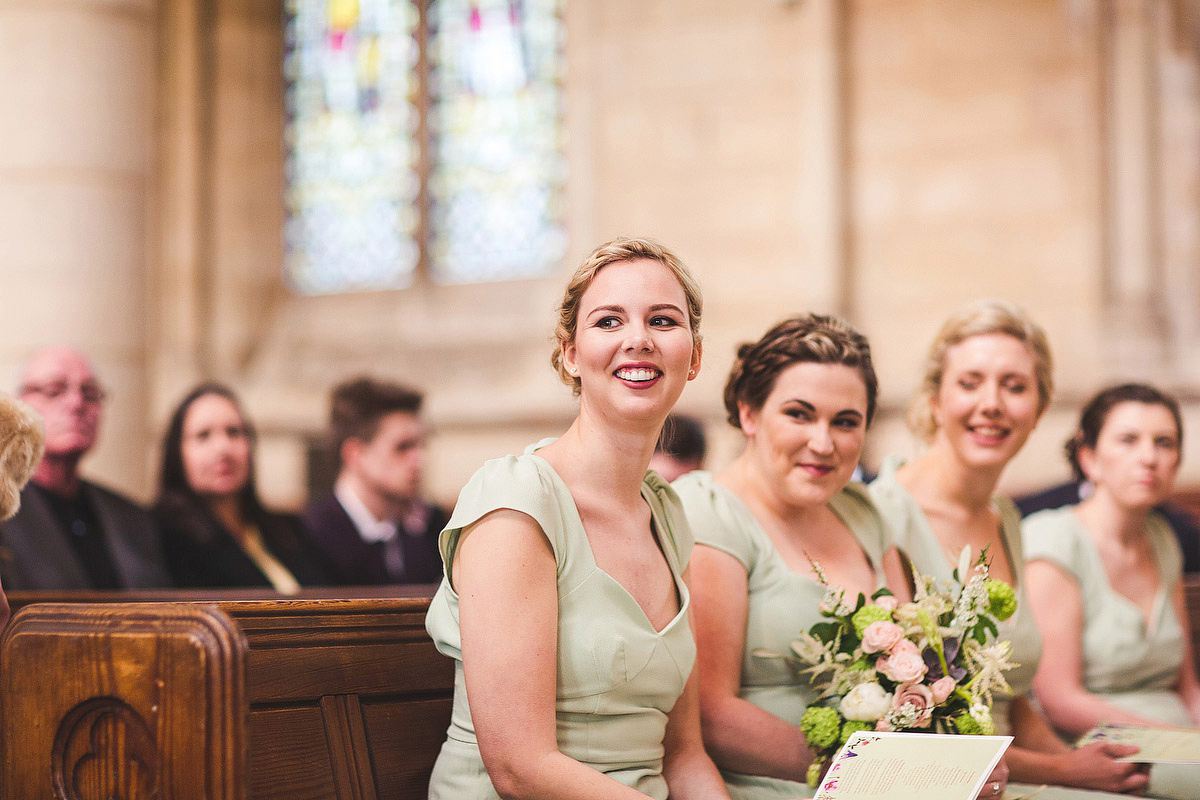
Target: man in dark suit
374 527
71 533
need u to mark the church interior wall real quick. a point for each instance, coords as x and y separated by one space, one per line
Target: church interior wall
882 161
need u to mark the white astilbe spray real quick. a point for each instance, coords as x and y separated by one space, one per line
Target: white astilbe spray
988 662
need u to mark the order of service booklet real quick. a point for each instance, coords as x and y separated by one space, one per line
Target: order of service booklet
911 766
1155 745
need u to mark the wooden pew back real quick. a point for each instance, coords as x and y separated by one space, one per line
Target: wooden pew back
343 699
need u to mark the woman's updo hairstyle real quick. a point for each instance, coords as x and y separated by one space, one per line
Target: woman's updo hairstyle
977 319
811 338
614 252
1095 414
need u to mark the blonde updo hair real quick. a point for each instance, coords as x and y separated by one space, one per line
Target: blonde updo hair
614 252
21 445
979 318
813 338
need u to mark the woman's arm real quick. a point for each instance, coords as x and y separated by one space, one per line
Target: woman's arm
1037 755
689 771
1188 686
505 576
1057 606
739 735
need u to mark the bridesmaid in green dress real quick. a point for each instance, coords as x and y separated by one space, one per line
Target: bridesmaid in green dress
803 395
1105 582
565 602
988 378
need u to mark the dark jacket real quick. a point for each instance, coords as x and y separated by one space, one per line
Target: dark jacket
35 552
202 553
355 562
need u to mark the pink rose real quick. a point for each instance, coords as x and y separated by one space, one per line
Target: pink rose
919 697
903 664
882 635
942 688
888 602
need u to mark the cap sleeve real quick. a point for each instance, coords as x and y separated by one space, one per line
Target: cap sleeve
671 522
714 519
1053 536
853 504
519 483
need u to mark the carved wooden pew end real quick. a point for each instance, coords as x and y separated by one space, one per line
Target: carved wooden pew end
342 699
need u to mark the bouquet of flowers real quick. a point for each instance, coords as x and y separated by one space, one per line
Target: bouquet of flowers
931 664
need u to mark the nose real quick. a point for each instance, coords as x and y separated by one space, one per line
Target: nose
639 339
821 442
990 401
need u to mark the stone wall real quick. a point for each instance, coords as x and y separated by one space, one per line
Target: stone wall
883 160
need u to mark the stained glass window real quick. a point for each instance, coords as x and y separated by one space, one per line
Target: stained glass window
498 168
358 90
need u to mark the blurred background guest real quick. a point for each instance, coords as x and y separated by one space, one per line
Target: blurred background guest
374 527
680 448
988 379
71 533
21 442
1105 582
216 531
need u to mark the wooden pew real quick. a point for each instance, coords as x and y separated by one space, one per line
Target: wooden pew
235 699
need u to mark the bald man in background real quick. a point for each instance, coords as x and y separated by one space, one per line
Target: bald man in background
71 533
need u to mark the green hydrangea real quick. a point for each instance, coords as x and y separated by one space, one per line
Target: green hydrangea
967 725
813 776
1002 600
821 726
868 614
851 726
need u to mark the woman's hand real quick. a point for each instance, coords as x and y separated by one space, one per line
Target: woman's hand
1095 767
993 787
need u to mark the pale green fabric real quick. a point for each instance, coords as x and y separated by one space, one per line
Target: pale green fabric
617 677
782 603
1134 666
913 535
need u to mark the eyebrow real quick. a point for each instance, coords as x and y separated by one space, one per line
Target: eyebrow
810 407
621 309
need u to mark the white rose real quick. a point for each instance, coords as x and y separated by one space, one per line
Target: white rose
866 702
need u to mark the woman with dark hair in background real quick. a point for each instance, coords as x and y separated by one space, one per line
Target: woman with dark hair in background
1105 583
216 531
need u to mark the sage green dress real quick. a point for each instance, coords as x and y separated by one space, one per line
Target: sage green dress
1134 667
913 535
617 676
782 603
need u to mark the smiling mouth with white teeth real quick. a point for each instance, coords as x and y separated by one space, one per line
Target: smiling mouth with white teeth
990 431
638 374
